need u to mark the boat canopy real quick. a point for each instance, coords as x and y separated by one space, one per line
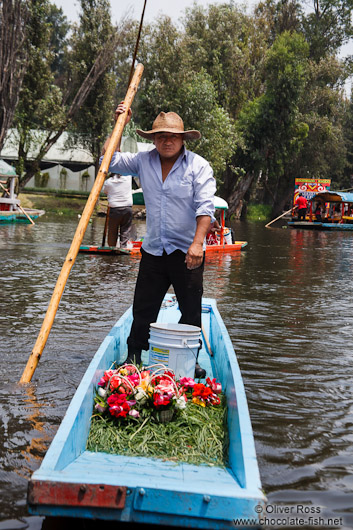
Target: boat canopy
333 196
220 203
6 170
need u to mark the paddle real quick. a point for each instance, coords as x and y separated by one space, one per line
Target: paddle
80 231
270 223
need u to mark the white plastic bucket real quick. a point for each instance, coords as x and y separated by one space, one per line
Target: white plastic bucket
227 236
176 346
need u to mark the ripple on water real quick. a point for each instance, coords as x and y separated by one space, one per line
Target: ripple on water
287 304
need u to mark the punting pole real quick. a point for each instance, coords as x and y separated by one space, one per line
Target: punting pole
130 77
105 226
26 214
80 231
273 220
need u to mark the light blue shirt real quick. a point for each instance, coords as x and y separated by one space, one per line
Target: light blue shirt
172 206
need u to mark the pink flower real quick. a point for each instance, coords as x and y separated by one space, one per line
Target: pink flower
134 413
100 408
134 379
165 387
187 382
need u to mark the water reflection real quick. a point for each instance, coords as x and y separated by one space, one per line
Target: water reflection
286 300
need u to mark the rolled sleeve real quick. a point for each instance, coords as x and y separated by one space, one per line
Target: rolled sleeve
124 163
204 191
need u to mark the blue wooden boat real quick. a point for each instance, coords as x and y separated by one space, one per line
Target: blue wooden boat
74 482
18 216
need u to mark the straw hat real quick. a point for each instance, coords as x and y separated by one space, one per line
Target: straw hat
169 122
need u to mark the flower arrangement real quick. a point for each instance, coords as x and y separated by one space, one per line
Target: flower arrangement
134 408
128 393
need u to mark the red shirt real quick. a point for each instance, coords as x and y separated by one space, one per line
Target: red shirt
301 202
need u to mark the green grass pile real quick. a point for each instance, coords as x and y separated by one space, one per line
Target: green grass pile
196 435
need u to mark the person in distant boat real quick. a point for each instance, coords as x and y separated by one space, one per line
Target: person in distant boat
318 212
211 237
179 188
336 213
301 203
118 189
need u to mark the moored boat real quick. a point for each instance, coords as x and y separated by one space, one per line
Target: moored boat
75 482
11 210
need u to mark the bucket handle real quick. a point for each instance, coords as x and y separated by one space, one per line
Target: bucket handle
185 343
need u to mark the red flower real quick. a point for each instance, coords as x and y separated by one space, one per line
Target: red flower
118 406
160 400
216 387
201 391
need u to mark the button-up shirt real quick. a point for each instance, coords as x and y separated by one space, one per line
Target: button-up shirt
172 206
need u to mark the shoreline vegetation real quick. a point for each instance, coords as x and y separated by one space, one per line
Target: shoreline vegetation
68 203
72 203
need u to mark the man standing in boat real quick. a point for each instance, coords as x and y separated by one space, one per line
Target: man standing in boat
301 203
178 187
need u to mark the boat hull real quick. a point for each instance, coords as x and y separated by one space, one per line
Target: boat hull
18 216
307 225
74 482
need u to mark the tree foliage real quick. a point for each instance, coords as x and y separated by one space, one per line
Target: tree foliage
265 88
14 16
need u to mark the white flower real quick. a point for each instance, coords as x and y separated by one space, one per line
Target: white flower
102 392
180 403
140 395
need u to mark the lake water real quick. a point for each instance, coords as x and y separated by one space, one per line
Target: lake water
287 301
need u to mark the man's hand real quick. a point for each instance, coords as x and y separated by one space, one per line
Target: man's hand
194 256
121 108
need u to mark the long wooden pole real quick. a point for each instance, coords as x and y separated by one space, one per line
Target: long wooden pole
26 214
34 357
273 220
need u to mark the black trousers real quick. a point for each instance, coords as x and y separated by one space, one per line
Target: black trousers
301 214
120 219
156 275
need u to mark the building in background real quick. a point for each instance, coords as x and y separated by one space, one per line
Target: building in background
64 168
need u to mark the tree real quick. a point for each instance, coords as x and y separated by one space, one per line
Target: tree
94 118
328 26
59 28
348 135
45 109
271 125
227 47
14 16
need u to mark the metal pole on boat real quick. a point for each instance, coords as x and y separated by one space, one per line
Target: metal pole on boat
115 139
